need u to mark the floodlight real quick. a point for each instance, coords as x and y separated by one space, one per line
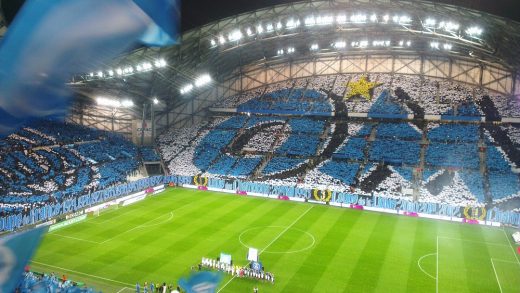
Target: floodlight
139 67
127 103
447 46
279 26
270 27
430 22
290 50
160 63
155 101
386 17
340 44
213 43
405 19
91 74
100 74
119 71
310 21
434 45
259 29
235 35
186 89
373 18
280 52
221 40
202 80
249 31
291 23
358 18
111 72
474 31
342 18
314 47
408 43
401 43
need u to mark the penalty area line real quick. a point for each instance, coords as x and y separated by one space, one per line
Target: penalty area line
80 273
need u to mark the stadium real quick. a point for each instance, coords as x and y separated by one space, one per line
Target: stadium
314 146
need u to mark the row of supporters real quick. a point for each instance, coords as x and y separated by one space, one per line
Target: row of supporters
45 213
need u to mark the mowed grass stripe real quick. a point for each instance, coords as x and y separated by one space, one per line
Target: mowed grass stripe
400 253
424 242
479 272
316 264
370 263
354 250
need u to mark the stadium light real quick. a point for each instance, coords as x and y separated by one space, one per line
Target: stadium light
213 43
408 43
386 17
279 26
159 63
235 35
430 22
91 74
269 27
474 31
310 21
119 71
324 20
358 18
315 47
290 50
111 72
447 47
249 32
373 18
291 23
434 45
155 101
342 18
221 40
449 26
186 89
259 29
114 103
340 44
127 103
202 80
279 52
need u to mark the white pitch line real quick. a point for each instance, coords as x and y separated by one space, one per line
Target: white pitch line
506 261
123 289
285 230
80 273
473 241
496 276
75 238
420 267
276 238
512 249
141 226
437 270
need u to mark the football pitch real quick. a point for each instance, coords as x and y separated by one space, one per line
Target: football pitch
309 248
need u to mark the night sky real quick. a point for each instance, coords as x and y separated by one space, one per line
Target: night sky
199 12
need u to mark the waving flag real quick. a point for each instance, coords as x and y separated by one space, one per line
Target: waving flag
203 282
49 41
15 252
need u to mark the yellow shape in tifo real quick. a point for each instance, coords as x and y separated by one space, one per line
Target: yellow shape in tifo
361 87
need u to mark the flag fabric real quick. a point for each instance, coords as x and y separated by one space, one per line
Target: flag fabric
49 41
15 252
202 282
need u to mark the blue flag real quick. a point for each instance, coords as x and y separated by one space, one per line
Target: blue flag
15 252
49 41
203 282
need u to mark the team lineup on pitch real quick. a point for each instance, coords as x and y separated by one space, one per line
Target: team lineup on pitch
307 247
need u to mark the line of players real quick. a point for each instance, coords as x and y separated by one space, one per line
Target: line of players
236 271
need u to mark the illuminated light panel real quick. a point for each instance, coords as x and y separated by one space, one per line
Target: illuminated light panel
358 18
315 47
373 18
342 18
259 29
235 35
310 21
474 31
202 80
430 22
340 44
186 89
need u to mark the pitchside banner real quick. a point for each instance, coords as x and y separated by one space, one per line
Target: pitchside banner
139 128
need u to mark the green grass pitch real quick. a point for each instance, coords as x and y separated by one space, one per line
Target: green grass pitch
309 248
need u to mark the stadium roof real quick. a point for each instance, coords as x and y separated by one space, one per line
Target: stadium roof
345 27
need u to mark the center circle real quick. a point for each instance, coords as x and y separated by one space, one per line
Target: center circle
276 237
